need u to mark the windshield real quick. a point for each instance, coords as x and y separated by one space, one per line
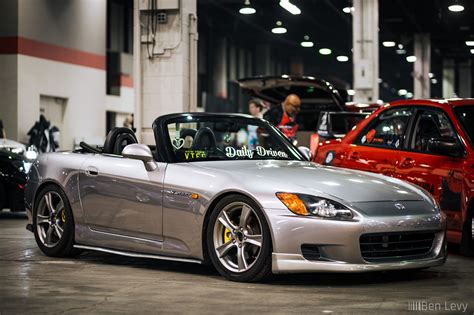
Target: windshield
465 115
227 138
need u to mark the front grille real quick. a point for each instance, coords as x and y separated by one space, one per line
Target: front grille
376 247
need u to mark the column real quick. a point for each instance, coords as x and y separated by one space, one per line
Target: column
421 67
448 78
165 62
365 24
465 79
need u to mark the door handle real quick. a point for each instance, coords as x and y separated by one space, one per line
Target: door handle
407 163
92 171
354 155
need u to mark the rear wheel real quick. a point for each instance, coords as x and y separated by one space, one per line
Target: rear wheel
467 241
239 240
53 223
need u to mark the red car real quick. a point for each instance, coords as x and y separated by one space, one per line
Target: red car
426 142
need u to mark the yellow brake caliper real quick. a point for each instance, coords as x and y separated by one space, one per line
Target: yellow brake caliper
226 235
63 216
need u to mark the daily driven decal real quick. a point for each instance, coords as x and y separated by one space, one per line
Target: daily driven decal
232 152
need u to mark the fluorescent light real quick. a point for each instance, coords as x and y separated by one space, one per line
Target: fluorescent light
409 95
351 92
348 10
325 51
342 58
411 58
470 42
279 29
247 9
307 44
456 8
472 51
401 51
434 81
290 7
402 92
388 44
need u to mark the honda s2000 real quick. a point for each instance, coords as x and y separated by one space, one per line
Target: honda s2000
229 190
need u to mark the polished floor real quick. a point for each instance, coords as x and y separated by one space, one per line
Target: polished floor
102 283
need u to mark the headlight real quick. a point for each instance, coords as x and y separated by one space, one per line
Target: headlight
310 205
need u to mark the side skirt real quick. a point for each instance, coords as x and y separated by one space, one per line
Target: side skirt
138 255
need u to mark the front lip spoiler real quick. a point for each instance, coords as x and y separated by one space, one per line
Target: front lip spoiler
295 263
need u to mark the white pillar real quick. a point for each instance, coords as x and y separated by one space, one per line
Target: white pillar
465 79
421 67
448 78
220 68
165 62
365 26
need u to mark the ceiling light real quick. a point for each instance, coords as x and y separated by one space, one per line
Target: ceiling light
348 10
470 42
472 51
342 58
434 81
290 7
411 58
402 92
379 80
325 51
247 9
400 46
456 8
401 51
279 29
351 92
409 95
431 75
307 42
388 44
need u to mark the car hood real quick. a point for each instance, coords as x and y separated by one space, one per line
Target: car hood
313 91
311 178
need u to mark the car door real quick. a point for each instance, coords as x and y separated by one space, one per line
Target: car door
440 174
119 196
377 146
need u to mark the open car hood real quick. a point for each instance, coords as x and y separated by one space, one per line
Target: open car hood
312 91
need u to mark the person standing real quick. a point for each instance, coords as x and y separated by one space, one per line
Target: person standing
283 116
255 109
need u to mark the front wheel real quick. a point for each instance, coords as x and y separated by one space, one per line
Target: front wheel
467 241
53 223
239 240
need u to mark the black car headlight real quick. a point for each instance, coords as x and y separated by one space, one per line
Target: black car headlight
308 205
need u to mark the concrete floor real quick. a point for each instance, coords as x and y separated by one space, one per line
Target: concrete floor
103 283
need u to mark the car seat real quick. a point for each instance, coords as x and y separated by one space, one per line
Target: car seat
204 140
427 129
117 139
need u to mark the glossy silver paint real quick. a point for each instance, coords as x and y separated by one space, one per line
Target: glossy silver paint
120 206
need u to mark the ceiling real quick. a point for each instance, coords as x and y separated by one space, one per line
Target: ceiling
328 26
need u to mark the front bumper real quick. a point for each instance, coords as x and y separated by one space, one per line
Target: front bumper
339 246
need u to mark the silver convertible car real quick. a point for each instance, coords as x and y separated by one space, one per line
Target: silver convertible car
229 190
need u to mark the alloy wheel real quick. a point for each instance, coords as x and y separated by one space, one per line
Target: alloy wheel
238 237
50 219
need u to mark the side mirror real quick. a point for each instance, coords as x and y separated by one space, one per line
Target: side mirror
140 152
445 146
306 152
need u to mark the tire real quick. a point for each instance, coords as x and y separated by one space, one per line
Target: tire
53 223
245 245
467 240
3 197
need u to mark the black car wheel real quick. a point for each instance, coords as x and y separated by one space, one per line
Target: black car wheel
53 223
3 197
467 241
239 240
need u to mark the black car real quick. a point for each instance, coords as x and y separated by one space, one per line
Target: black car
13 177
